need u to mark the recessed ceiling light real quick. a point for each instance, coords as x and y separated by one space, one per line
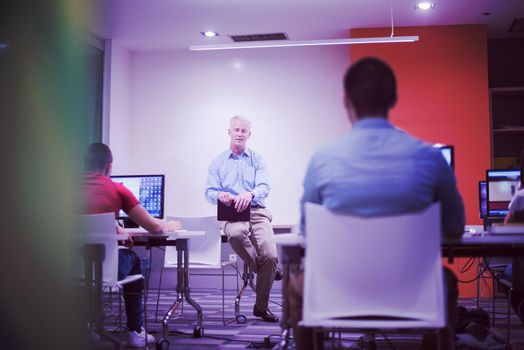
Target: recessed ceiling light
209 34
425 5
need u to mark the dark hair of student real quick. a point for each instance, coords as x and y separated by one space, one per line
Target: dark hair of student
98 155
371 87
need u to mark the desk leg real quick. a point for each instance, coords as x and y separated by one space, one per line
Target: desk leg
291 257
148 271
285 323
480 267
178 301
182 291
198 331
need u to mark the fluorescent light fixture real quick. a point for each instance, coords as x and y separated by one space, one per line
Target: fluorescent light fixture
289 43
209 34
425 5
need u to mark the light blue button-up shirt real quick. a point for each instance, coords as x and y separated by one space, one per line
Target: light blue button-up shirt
238 174
377 170
517 202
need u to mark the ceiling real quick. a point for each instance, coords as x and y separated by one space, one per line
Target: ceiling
150 25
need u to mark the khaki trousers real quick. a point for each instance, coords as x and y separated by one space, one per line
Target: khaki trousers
254 242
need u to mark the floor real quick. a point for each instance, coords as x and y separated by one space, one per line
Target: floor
262 335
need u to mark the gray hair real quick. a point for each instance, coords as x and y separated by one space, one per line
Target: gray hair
240 118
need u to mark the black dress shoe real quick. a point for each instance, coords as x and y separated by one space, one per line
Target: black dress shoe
267 315
278 275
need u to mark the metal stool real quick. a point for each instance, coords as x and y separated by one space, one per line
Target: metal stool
247 278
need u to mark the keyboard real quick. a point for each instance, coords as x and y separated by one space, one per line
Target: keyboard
136 230
141 230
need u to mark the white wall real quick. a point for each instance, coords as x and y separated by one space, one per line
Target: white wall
119 133
181 103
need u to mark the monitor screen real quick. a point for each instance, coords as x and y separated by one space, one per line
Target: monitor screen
148 189
483 199
501 186
448 153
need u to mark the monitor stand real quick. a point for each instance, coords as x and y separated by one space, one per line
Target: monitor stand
128 223
489 220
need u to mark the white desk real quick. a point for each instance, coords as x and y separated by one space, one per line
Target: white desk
140 232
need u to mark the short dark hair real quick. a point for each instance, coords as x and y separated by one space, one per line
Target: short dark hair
371 87
98 155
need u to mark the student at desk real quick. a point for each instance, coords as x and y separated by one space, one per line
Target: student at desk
377 170
104 196
516 206
516 215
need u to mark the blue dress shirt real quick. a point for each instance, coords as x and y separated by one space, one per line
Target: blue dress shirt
238 174
377 170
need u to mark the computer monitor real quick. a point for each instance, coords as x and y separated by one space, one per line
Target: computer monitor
448 152
148 189
483 199
501 187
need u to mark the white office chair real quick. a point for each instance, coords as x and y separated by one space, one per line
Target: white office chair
373 273
205 251
101 229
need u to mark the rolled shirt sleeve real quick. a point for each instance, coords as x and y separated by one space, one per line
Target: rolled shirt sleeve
213 186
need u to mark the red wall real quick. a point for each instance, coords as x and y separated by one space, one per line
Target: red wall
443 96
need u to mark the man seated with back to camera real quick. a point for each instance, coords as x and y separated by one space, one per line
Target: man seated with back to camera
105 196
378 170
515 271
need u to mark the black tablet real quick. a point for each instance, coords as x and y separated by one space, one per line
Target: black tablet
229 213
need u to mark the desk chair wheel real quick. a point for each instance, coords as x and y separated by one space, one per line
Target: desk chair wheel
241 319
198 332
162 344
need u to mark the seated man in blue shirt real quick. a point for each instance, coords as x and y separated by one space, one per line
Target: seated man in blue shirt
239 177
516 215
377 170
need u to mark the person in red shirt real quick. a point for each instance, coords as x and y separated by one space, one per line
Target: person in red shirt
102 195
